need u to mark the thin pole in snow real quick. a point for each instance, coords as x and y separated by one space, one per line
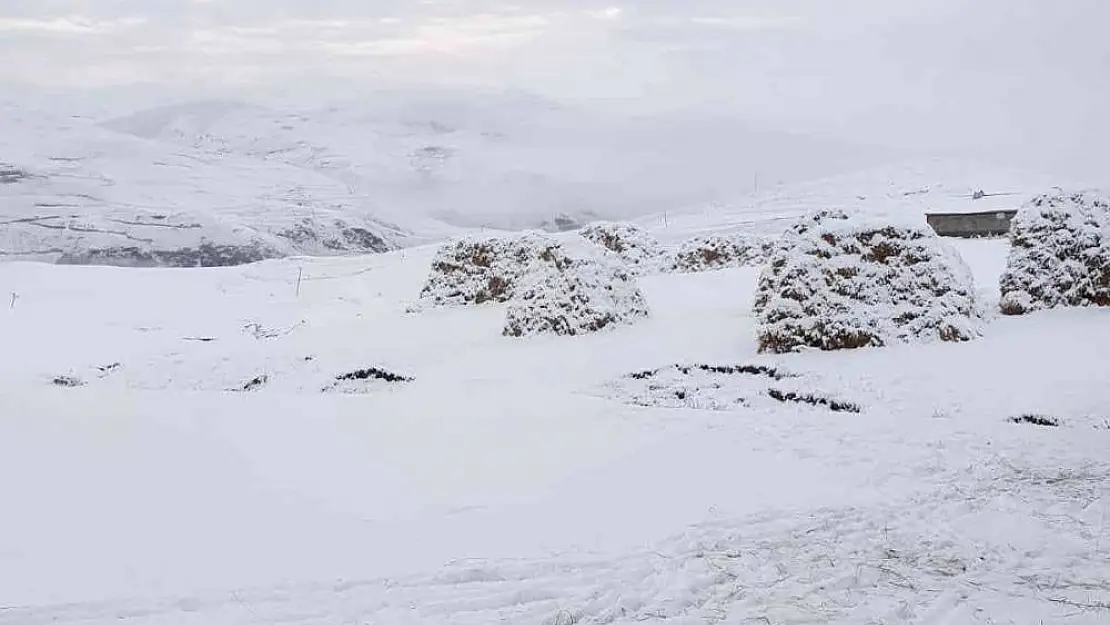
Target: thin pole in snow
300 272
15 296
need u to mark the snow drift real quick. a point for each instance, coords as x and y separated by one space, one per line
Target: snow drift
837 282
637 248
571 291
706 253
1059 254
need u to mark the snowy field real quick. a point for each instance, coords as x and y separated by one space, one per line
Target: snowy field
176 449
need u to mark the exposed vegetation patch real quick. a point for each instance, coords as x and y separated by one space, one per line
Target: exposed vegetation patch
1036 419
204 255
758 370
719 387
365 380
109 369
255 383
68 381
834 405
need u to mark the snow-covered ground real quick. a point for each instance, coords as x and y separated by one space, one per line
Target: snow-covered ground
169 455
903 190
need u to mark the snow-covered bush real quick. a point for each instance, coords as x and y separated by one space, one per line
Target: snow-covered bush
1059 254
571 291
476 270
706 253
836 282
637 248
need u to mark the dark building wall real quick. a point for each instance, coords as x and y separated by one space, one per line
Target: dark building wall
989 223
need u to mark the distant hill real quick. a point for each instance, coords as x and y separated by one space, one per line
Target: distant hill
75 192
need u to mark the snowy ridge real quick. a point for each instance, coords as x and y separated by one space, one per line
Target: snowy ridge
76 191
903 192
501 160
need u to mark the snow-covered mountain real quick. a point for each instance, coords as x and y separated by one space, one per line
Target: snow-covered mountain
76 192
505 160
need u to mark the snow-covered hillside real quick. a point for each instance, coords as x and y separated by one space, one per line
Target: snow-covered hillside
901 191
294 442
505 160
74 191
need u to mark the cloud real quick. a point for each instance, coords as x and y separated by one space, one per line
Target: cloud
69 25
1004 74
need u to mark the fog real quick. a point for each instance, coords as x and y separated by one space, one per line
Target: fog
1019 81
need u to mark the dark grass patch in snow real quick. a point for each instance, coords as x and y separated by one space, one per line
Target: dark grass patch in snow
363 380
769 372
255 383
1036 419
717 387
68 381
834 405
107 370
373 373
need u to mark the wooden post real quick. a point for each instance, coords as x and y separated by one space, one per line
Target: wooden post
300 272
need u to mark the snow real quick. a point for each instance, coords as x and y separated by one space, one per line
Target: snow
1060 254
503 160
903 191
840 281
510 480
90 195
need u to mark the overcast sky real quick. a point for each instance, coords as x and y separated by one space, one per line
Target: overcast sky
989 75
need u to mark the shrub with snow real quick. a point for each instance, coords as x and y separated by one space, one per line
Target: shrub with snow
476 270
637 248
571 291
706 253
1059 254
836 282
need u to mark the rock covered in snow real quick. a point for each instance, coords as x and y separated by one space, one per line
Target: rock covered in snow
1059 254
706 253
637 248
476 270
835 282
572 291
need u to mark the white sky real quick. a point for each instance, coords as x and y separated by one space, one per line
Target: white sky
986 75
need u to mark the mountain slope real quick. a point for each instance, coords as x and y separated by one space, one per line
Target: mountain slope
78 193
504 160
